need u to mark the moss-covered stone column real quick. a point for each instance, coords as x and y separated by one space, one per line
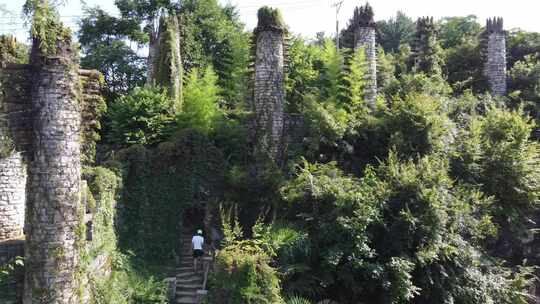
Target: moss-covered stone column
364 37
495 60
165 67
53 201
426 56
269 90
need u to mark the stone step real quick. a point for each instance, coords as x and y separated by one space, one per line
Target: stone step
180 294
186 300
179 282
185 275
188 286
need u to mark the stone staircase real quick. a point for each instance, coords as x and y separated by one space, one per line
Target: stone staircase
189 284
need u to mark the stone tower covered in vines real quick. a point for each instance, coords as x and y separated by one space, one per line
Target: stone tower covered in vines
268 83
495 56
53 214
165 63
426 57
364 37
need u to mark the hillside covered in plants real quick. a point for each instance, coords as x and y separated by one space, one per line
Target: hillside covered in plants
398 165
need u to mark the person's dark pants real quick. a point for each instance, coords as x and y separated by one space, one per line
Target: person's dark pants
197 253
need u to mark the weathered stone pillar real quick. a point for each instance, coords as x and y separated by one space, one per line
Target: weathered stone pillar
165 67
269 89
426 56
495 57
364 37
53 217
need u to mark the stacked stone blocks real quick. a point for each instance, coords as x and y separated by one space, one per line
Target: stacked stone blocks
495 61
53 198
365 37
269 90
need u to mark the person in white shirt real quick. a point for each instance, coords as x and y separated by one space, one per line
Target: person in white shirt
197 243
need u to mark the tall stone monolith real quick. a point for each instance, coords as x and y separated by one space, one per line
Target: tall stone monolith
495 56
165 60
365 37
53 217
427 52
269 87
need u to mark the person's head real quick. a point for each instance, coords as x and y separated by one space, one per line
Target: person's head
199 231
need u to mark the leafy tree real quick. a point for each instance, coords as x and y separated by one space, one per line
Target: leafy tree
464 66
201 109
385 69
525 79
142 117
12 51
304 72
418 126
455 30
520 44
213 35
332 77
497 154
103 42
357 81
404 233
394 32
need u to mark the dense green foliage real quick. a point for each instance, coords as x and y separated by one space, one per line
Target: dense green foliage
12 51
159 184
201 109
243 272
142 117
429 196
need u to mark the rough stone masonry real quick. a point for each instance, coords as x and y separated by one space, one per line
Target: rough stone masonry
364 37
269 90
495 61
53 198
12 196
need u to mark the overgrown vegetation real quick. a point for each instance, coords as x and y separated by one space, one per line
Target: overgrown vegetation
431 195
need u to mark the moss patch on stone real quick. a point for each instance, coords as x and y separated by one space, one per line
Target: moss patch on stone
270 19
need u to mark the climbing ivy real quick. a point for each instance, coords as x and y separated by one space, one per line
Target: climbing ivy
159 184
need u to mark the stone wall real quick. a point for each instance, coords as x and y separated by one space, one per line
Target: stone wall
495 60
16 123
53 198
15 115
12 196
365 37
269 92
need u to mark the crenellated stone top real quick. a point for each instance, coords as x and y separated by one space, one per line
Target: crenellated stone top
495 25
363 16
425 24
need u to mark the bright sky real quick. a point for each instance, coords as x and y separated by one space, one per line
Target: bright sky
308 17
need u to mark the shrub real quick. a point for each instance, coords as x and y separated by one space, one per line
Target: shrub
143 117
243 273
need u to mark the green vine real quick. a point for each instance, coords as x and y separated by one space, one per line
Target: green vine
46 28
